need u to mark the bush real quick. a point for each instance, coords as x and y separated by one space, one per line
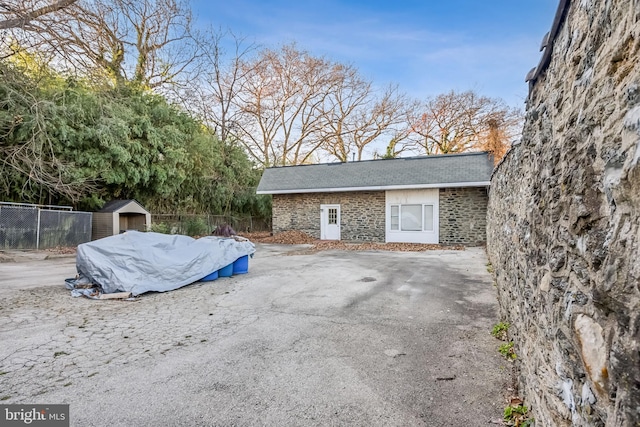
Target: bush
160 227
195 227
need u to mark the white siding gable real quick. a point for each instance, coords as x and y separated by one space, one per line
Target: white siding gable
412 216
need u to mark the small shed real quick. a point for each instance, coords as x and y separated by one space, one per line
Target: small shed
118 216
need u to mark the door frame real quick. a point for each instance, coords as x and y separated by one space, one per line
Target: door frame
324 221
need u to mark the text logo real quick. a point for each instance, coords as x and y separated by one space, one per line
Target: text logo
34 415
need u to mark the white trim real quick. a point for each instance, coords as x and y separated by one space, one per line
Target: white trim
412 197
379 188
324 221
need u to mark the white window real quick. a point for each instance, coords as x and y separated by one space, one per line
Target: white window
428 217
333 216
411 217
395 217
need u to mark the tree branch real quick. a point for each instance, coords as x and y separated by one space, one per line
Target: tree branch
25 17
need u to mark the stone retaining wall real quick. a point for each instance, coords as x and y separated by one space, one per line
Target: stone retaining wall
564 224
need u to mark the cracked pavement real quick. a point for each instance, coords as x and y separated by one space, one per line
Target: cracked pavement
329 338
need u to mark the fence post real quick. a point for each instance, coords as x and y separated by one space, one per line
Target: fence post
38 230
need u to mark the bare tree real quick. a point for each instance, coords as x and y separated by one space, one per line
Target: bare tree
163 43
213 94
290 107
394 149
20 14
359 116
455 122
146 41
352 94
282 104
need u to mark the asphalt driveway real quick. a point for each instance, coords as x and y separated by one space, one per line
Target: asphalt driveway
328 338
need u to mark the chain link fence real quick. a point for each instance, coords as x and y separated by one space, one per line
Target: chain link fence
202 225
24 226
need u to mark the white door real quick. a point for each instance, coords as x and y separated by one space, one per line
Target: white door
330 222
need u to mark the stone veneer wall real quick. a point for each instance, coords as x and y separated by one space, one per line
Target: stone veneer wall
362 214
463 215
564 224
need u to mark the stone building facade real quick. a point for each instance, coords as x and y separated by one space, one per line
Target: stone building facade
564 222
462 219
362 214
463 215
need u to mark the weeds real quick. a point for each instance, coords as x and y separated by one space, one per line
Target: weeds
490 268
507 351
517 414
500 330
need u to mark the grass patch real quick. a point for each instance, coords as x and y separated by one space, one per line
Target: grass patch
60 353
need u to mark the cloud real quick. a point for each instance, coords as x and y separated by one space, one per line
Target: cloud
424 54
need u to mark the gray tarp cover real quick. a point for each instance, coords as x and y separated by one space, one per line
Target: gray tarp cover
139 262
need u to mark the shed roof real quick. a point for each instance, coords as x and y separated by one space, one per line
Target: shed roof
440 171
116 205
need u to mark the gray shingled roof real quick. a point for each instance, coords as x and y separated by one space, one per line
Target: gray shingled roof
451 170
114 205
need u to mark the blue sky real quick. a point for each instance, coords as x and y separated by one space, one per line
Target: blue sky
426 47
